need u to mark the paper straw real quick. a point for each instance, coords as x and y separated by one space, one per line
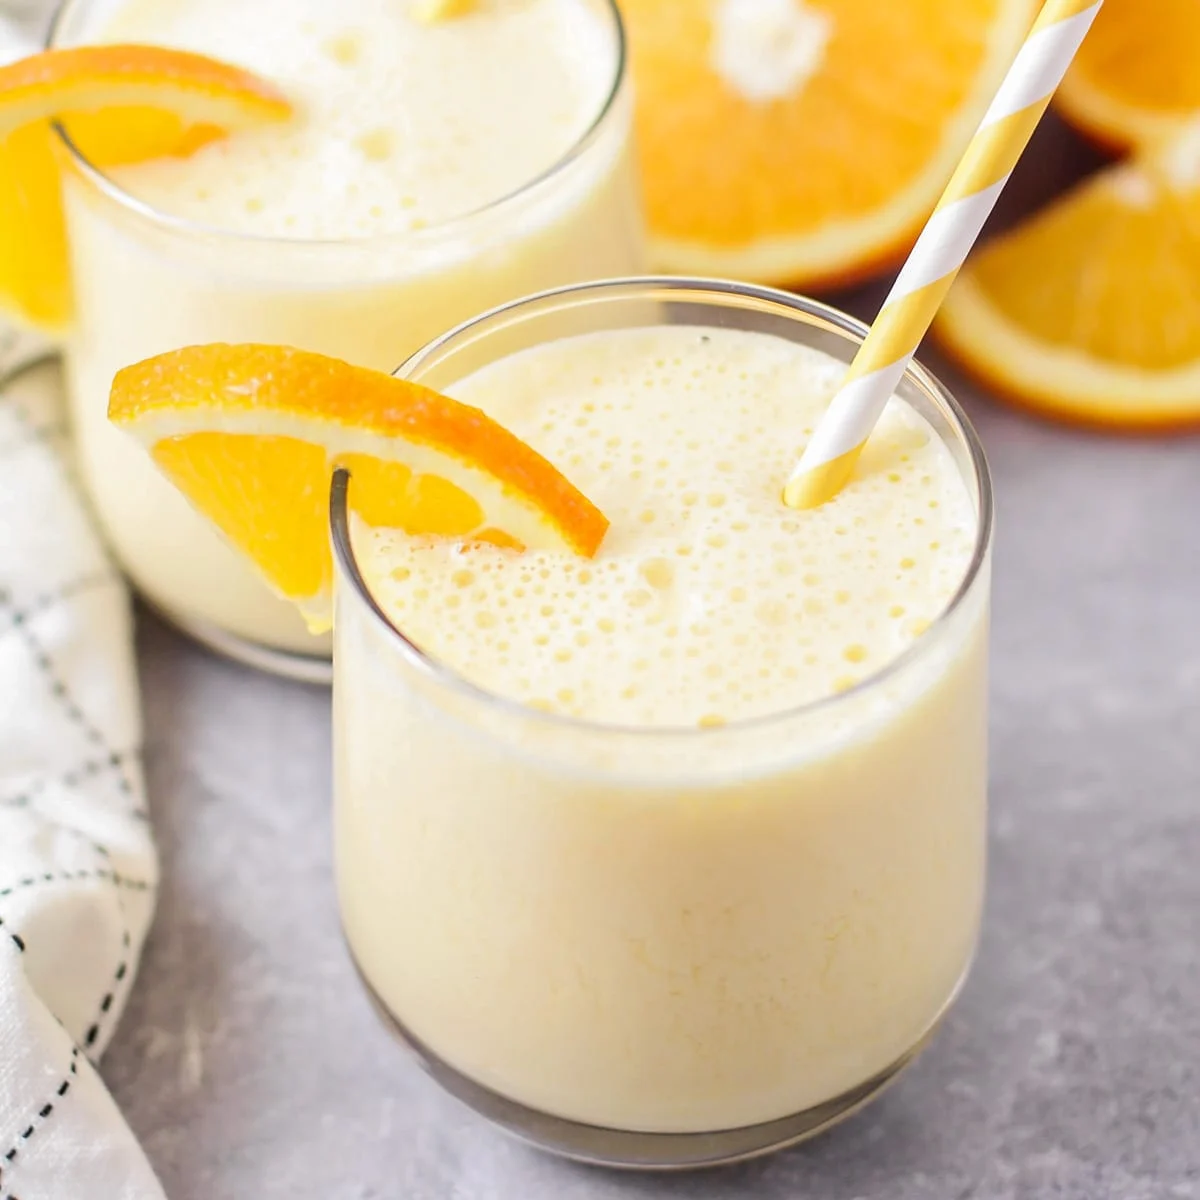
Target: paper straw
828 460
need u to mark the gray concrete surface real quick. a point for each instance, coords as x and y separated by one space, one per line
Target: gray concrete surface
251 1066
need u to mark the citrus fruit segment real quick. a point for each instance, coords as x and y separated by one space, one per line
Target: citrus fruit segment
805 143
119 104
1090 310
1135 78
251 435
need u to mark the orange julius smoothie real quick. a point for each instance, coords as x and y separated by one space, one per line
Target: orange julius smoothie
433 168
687 837
659 806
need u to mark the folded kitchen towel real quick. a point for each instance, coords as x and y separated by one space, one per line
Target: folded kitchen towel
77 860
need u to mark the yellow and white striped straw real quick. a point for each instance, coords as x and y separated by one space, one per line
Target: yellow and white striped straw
828 460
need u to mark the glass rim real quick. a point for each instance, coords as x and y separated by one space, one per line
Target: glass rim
427 234
444 675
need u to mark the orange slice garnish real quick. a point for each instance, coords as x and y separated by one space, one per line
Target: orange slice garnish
120 104
251 435
1135 79
1089 311
805 141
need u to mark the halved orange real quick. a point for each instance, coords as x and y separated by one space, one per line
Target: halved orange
120 104
1090 310
1136 78
251 435
805 144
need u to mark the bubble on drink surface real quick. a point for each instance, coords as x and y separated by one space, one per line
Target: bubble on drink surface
725 606
376 145
344 48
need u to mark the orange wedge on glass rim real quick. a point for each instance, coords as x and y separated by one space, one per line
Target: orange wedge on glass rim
1089 311
251 435
119 104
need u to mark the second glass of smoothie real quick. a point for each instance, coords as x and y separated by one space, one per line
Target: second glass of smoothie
435 170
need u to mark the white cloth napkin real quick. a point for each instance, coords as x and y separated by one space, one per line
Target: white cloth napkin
78 868
77 860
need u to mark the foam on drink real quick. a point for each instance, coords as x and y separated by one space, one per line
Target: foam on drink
402 124
710 601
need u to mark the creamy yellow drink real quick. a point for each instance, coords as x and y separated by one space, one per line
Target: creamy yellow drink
433 170
690 836
659 806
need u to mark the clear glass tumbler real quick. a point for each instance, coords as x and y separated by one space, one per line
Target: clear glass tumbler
147 282
661 947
